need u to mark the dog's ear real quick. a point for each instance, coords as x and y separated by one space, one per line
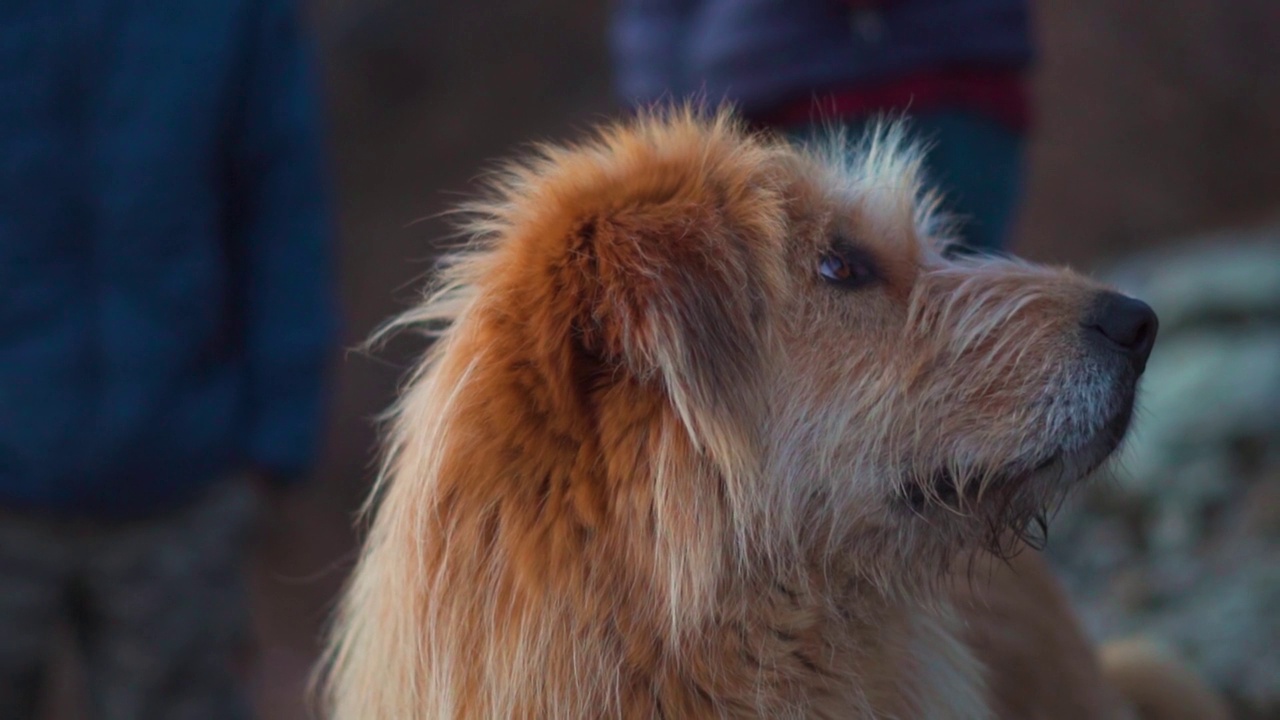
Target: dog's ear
668 293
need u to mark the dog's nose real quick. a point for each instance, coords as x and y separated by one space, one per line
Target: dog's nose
1125 324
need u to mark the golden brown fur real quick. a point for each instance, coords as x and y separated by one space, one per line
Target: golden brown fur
656 467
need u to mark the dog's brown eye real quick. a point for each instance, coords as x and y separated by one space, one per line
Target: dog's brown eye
847 268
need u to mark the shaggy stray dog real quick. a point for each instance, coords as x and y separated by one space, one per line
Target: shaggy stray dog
713 429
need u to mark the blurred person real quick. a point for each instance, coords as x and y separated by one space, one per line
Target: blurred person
165 321
955 66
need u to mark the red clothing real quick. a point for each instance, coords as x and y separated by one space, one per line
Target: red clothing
999 93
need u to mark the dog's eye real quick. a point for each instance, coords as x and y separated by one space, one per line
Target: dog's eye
847 268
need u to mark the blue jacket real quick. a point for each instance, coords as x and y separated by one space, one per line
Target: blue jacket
760 53
165 307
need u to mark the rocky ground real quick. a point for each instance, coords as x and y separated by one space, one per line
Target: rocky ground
1181 540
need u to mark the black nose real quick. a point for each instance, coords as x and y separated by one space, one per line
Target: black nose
1125 324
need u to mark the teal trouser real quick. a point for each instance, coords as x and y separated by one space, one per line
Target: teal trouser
976 163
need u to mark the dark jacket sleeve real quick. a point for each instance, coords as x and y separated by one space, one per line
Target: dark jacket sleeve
285 273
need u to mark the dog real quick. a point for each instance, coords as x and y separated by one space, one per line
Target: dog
715 427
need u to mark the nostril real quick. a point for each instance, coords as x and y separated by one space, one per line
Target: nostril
1127 323
1145 334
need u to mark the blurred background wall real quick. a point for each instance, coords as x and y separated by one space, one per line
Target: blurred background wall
1155 120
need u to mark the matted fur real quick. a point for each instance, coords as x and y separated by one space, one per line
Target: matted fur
654 466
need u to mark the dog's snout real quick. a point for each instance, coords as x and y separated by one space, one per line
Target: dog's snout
1125 324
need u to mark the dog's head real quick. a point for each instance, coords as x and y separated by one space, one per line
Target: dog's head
935 402
681 299
686 371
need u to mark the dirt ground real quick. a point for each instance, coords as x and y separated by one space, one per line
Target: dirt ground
1154 120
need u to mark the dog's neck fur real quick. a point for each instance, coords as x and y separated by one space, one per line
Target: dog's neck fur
569 623
832 646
